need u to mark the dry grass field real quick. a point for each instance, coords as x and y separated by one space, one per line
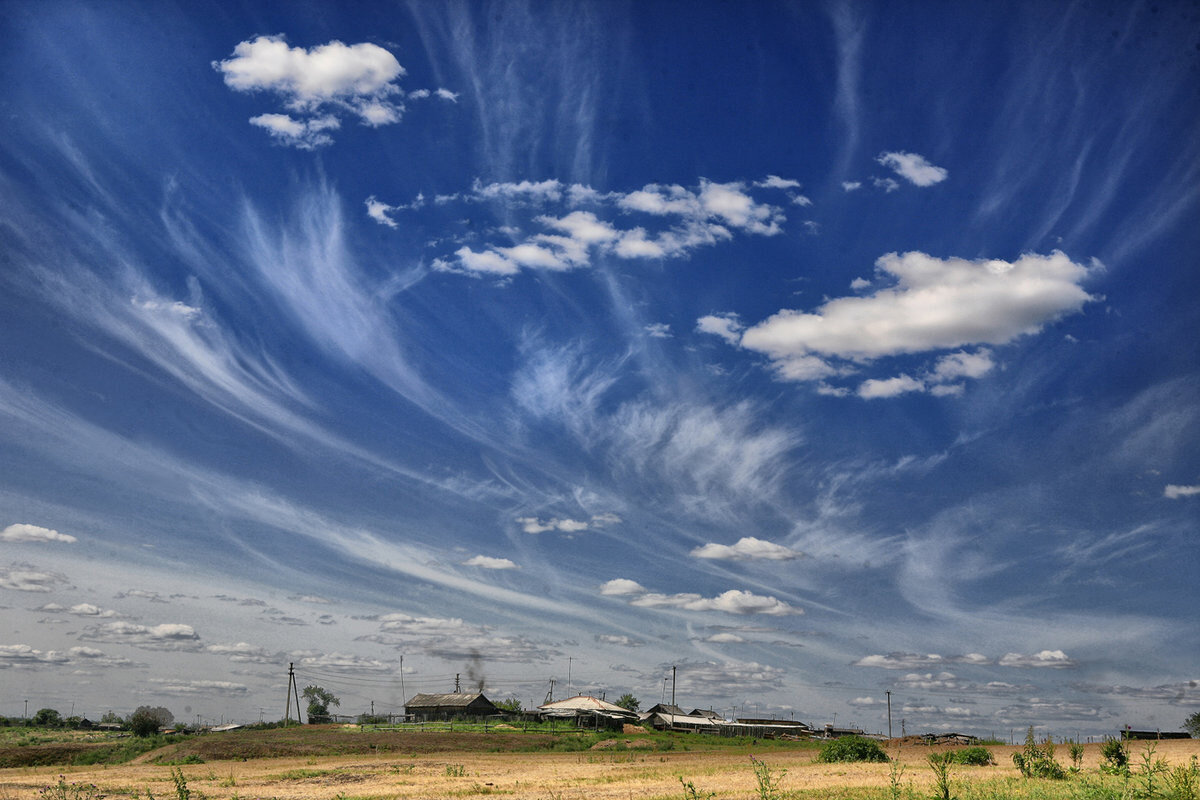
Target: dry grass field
428 765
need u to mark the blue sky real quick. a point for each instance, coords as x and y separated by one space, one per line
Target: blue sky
816 350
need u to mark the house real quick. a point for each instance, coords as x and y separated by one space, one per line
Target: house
455 705
588 711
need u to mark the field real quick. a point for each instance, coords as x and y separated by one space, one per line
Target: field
332 763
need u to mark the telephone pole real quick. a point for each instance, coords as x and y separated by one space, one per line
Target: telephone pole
673 668
889 698
292 690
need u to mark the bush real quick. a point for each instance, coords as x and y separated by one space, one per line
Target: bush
851 748
1116 758
971 757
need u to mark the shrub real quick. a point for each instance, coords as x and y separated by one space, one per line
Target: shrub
971 757
851 748
1115 758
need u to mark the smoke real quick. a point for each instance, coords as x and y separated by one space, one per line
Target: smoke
475 671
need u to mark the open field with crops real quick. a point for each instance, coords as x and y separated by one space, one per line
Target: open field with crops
329 763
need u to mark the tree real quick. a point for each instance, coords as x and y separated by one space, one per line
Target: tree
319 701
512 705
1192 725
47 718
147 720
629 702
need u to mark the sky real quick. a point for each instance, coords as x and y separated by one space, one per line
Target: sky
813 354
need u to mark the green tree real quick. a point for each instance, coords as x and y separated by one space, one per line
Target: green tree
147 720
1192 725
47 718
512 705
629 702
319 701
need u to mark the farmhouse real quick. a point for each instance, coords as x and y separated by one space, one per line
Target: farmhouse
588 710
456 705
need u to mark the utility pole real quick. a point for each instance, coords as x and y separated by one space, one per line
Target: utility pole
673 685
403 698
569 691
889 698
292 690
550 694
457 687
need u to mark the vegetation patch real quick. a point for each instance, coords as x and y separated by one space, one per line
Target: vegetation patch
851 748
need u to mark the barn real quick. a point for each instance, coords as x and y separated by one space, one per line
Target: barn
455 705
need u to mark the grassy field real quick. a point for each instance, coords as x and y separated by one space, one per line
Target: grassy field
332 763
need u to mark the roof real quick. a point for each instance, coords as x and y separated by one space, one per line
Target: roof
582 703
452 700
665 708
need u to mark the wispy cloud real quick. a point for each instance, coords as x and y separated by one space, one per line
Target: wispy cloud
913 168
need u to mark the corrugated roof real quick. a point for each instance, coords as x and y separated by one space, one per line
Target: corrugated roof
583 702
450 699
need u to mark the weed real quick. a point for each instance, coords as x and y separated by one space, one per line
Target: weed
1076 756
1147 770
940 764
971 756
231 780
182 792
1038 762
690 792
456 770
768 780
69 791
895 774
1184 781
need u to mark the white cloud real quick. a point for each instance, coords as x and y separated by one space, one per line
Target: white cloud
658 330
734 601
725 325
622 586
359 79
887 184
486 562
306 134
167 636
776 182
22 655
446 94
917 660
913 168
89 610
180 688
619 640
22 532
873 388
28 578
748 548
244 653
1052 659
962 365
725 638
536 525
682 220
935 304
850 186
379 211
1174 491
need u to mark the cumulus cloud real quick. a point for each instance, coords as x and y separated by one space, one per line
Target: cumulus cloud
918 660
850 186
889 387
1050 659
316 84
619 640
22 655
932 304
1174 491
726 325
180 688
487 562
22 532
721 679
748 548
244 653
455 639
622 586
667 221
167 636
566 525
28 578
342 662
734 601
913 168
